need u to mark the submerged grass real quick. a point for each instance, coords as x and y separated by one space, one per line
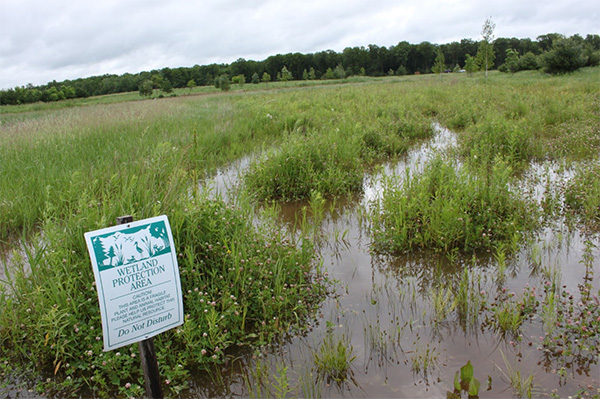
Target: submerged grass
333 359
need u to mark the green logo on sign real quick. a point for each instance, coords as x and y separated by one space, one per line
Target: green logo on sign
131 245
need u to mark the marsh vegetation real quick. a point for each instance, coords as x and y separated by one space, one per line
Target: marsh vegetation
379 237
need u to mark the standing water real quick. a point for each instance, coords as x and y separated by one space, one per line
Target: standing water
401 335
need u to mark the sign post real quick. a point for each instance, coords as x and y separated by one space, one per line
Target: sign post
139 290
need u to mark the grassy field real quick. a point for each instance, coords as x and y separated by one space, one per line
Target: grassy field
72 167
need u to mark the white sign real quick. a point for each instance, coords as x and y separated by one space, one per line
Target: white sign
137 277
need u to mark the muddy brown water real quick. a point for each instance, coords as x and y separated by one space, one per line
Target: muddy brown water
383 308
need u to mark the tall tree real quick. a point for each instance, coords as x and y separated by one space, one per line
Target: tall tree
470 64
146 88
485 54
440 62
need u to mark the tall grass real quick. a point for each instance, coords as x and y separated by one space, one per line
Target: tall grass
448 207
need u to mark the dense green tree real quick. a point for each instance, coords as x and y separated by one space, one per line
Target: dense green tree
239 79
528 61
339 72
440 62
471 65
146 88
191 84
545 42
166 86
312 75
224 82
512 61
255 78
565 56
423 57
285 75
266 77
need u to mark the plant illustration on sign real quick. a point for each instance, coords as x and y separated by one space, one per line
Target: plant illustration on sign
131 245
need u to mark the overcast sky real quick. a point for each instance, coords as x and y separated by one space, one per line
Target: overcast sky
45 40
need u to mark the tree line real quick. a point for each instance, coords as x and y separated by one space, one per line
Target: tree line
510 54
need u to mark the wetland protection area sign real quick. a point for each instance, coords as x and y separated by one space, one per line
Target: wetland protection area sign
137 278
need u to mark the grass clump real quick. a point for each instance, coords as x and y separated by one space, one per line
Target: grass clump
241 286
333 359
446 208
327 164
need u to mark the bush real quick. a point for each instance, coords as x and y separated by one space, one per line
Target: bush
528 62
566 56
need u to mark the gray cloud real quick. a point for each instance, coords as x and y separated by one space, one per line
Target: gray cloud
41 40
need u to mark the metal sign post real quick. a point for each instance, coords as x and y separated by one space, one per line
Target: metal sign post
147 352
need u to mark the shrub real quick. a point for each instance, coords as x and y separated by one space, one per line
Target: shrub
566 56
528 61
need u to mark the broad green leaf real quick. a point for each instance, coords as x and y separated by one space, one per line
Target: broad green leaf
456 382
474 387
466 372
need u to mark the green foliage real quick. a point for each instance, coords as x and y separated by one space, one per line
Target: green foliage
266 77
191 84
285 75
146 88
485 53
239 79
512 61
465 381
582 195
566 56
223 82
447 208
528 62
255 78
471 65
485 56
339 72
440 63
327 164
334 358
166 87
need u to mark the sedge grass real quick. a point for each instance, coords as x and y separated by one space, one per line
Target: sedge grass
449 208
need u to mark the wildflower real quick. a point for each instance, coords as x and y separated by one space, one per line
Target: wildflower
203 351
127 386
